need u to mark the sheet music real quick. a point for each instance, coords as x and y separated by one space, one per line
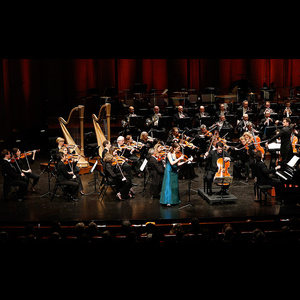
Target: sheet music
293 161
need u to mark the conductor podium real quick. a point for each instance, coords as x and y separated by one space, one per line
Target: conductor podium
218 195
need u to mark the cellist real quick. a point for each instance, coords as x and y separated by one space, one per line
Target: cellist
212 167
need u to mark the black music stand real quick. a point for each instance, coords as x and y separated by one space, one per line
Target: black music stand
225 131
136 121
165 122
269 131
185 122
189 187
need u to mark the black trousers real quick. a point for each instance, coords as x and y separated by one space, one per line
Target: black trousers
72 186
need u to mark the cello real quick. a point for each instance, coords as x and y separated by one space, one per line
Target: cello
222 172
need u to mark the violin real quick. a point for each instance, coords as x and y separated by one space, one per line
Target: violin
28 153
179 154
118 159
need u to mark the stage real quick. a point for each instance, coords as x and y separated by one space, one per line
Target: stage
141 208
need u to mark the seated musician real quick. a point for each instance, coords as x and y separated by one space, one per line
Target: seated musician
106 146
24 165
202 137
173 136
179 115
266 122
120 149
242 160
264 109
71 164
244 109
212 167
133 154
153 120
12 177
115 176
126 121
156 169
262 174
201 114
242 125
222 123
67 177
148 142
221 112
250 147
287 111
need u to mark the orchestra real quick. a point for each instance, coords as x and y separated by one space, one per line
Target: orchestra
238 140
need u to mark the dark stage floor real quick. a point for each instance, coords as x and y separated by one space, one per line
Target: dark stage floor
39 209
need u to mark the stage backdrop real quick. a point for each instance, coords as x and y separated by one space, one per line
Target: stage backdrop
32 90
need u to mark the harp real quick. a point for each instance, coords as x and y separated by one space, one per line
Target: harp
102 125
74 135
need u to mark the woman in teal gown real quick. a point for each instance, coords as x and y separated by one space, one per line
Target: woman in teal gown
170 188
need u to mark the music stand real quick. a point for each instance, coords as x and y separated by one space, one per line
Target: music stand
185 122
189 169
136 121
208 121
269 130
165 122
224 131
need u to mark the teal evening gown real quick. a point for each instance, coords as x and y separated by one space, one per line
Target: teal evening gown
170 188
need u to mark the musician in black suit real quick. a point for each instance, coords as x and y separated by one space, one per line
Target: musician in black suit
244 109
265 122
262 174
200 115
179 115
286 149
66 177
12 177
212 167
156 169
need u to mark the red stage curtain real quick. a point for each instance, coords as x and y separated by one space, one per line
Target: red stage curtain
26 84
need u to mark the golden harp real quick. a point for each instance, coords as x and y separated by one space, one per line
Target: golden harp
103 117
75 139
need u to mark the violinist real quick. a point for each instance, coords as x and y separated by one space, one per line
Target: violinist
243 159
24 161
242 125
118 150
173 136
212 167
156 169
286 149
67 177
170 187
202 137
132 153
115 176
106 146
13 177
148 143
71 163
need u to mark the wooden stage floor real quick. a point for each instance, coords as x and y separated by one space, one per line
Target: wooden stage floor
140 208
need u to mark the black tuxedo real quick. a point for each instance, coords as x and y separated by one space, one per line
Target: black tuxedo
262 173
156 169
286 149
65 178
13 178
176 117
